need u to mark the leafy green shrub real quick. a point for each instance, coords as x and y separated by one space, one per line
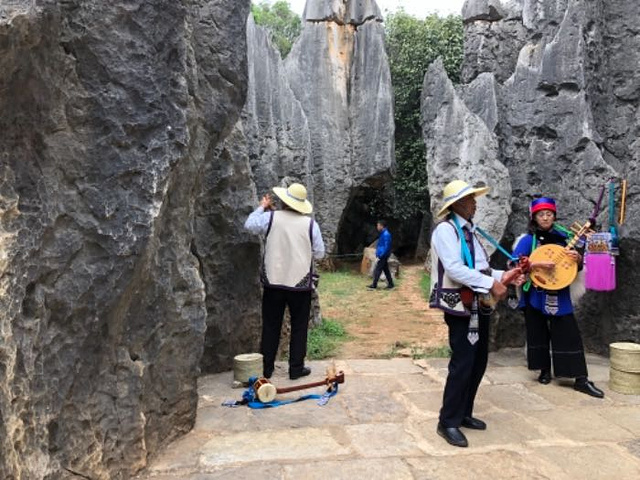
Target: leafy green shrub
412 44
283 24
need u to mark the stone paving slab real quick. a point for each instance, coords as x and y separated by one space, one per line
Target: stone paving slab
492 465
382 425
274 445
593 462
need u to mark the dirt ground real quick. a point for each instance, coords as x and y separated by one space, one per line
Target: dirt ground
385 323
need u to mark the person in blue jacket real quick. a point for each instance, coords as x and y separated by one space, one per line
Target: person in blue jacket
552 330
383 252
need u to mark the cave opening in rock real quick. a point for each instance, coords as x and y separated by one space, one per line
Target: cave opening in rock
357 228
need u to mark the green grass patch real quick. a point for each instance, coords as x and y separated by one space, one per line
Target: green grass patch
417 352
425 285
340 284
442 351
324 339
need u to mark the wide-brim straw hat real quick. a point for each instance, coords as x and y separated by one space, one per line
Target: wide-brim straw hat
457 190
295 196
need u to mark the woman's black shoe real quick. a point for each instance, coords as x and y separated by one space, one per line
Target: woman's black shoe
545 377
585 386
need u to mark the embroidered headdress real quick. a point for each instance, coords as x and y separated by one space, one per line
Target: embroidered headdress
542 203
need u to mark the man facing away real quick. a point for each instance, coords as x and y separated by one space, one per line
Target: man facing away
292 241
460 273
383 252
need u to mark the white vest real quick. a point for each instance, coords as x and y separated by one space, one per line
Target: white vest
288 253
445 291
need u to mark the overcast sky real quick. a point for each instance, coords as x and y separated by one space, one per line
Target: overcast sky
419 8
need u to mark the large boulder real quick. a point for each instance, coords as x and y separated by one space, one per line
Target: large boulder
274 123
460 145
338 70
111 113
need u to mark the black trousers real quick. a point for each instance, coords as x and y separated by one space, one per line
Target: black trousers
561 333
466 369
274 301
382 266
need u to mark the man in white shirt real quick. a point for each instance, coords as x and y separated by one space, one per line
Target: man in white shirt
460 274
293 240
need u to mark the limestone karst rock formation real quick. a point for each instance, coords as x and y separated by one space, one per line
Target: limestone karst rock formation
338 70
111 161
275 125
461 145
567 95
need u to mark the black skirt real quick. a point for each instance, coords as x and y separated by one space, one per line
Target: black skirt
556 337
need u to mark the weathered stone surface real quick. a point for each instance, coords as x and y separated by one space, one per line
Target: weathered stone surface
567 120
269 446
490 10
110 113
481 98
275 125
342 11
304 440
489 45
228 255
380 469
339 72
459 145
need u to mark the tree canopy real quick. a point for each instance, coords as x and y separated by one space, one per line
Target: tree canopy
412 44
283 24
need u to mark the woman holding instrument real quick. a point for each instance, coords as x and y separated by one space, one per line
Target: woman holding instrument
552 330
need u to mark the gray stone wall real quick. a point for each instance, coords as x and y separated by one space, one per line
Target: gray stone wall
339 72
111 114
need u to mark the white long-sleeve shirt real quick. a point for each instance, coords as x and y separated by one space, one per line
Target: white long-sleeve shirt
446 244
258 224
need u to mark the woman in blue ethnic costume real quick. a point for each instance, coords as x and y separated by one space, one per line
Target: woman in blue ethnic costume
549 314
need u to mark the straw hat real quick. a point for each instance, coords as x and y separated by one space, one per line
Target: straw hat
456 190
295 196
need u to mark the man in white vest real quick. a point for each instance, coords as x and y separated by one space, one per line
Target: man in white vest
293 240
460 275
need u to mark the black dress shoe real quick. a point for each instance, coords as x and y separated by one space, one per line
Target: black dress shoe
586 386
390 287
453 436
301 373
545 377
473 423
371 287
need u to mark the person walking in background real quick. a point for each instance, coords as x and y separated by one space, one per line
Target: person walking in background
292 241
460 273
383 252
549 319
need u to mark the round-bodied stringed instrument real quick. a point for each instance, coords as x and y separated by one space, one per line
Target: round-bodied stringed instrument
564 270
266 391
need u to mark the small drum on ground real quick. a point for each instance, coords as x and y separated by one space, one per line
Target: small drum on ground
624 373
247 365
265 390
